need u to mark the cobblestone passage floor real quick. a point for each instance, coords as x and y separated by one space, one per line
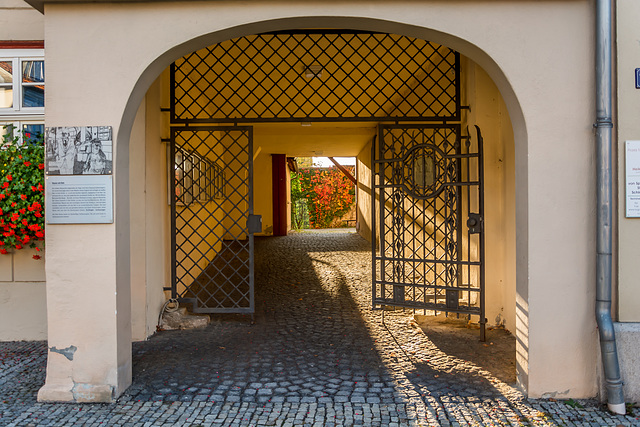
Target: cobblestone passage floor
317 355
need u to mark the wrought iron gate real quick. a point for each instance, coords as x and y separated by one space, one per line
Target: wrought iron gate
212 218
326 76
428 180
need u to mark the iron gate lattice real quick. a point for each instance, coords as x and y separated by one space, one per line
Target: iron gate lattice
212 216
429 181
316 75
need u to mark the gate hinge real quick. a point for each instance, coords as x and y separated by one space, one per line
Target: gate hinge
254 224
475 223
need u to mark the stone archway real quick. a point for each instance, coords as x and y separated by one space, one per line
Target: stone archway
279 27
99 297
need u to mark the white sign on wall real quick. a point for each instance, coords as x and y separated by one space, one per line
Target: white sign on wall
79 199
632 162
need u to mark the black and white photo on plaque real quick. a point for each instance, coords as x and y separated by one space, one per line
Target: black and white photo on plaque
79 150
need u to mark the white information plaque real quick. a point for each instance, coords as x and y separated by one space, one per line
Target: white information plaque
79 199
632 161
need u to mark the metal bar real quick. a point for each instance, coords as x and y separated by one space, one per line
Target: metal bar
381 179
604 130
249 131
483 319
374 275
474 311
460 196
322 32
344 170
458 87
468 144
450 156
418 285
172 189
172 91
324 119
434 261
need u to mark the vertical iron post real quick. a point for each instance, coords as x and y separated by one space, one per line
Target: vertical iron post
483 320
374 285
172 190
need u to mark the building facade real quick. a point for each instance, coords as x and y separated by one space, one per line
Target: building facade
526 78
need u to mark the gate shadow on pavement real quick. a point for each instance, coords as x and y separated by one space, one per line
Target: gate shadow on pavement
315 340
309 342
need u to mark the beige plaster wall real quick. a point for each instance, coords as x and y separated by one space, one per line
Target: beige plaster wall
19 21
628 34
158 213
138 228
23 301
548 101
150 222
489 112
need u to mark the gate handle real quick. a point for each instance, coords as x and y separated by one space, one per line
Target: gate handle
474 223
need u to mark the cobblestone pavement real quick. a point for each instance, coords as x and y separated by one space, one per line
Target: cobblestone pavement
317 355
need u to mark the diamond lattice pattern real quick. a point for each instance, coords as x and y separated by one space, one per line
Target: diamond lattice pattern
345 76
212 250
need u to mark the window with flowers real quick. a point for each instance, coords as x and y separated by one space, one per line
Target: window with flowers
21 192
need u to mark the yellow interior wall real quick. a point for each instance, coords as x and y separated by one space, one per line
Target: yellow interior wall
363 176
262 191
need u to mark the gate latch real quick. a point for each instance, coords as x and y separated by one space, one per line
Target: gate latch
474 223
254 224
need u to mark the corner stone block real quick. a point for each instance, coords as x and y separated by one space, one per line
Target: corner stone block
59 392
90 393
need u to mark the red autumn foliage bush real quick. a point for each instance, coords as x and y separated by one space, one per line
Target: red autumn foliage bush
328 193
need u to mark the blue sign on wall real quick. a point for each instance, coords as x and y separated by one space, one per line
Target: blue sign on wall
637 78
